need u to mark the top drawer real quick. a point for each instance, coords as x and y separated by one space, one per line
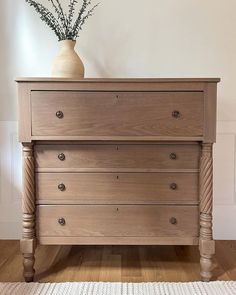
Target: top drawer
97 114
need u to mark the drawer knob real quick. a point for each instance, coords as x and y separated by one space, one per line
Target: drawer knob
61 221
59 114
173 156
175 114
173 186
173 220
61 187
61 157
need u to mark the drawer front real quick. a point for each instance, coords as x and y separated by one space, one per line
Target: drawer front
61 113
116 188
108 157
117 221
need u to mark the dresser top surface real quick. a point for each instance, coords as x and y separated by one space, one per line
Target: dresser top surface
117 80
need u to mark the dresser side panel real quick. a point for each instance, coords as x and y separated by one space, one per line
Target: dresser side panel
210 105
24 112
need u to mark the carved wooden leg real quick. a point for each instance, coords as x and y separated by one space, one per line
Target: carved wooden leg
206 244
28 241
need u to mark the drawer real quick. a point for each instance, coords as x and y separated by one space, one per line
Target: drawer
116 188
117 221
98 114
112 157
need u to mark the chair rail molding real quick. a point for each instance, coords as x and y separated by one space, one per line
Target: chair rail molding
224 208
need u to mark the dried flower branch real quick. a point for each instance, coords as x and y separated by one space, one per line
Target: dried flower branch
71 10
59 11
82 20
62 25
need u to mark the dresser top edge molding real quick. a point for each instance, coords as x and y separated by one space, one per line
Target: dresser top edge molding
114 80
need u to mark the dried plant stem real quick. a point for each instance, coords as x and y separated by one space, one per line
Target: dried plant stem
62 25
83 20
47 17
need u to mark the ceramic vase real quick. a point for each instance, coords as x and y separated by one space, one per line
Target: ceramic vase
67 64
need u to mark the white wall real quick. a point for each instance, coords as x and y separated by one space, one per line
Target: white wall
128 38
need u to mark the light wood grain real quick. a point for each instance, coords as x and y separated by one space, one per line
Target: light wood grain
117 114
118 156
28 241
118 263
120 139
24 113
114 170
107 85
117 221
117 136
118 240
28 85
207 245
117 188
114 80
210 106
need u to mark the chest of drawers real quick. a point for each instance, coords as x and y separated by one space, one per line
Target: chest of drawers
117 161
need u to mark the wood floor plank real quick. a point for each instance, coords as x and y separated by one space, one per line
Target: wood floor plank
131 269
12 269
188 258
168 263
91 259
110 270
226 258
118 263
151 271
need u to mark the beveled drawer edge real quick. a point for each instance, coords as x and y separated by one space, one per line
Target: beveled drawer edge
116 138
115 170
44 201
115 142
118 240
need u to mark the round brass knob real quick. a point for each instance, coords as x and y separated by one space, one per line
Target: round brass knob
61 187
173 220
61 157
173 186
61 221
175 114
59 114
173 156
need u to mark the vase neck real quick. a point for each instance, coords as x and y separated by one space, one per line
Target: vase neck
67 44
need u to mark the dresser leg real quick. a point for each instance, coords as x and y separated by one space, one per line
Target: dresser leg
28 242
28 249
206 243
206 246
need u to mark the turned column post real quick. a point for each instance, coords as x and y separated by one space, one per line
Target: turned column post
206 243
28 241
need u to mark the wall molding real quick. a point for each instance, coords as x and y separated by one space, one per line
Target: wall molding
224 209
10 181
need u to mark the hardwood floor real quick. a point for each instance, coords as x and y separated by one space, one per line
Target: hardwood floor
114 263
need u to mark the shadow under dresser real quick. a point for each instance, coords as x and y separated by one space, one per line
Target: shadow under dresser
117 162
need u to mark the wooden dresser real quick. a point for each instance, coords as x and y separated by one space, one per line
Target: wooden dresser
117 162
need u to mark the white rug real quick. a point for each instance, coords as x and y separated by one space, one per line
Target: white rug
197 288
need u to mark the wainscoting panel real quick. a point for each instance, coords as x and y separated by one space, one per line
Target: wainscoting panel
224 210
224 181
10 181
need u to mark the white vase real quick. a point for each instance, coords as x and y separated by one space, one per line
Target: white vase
67 64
